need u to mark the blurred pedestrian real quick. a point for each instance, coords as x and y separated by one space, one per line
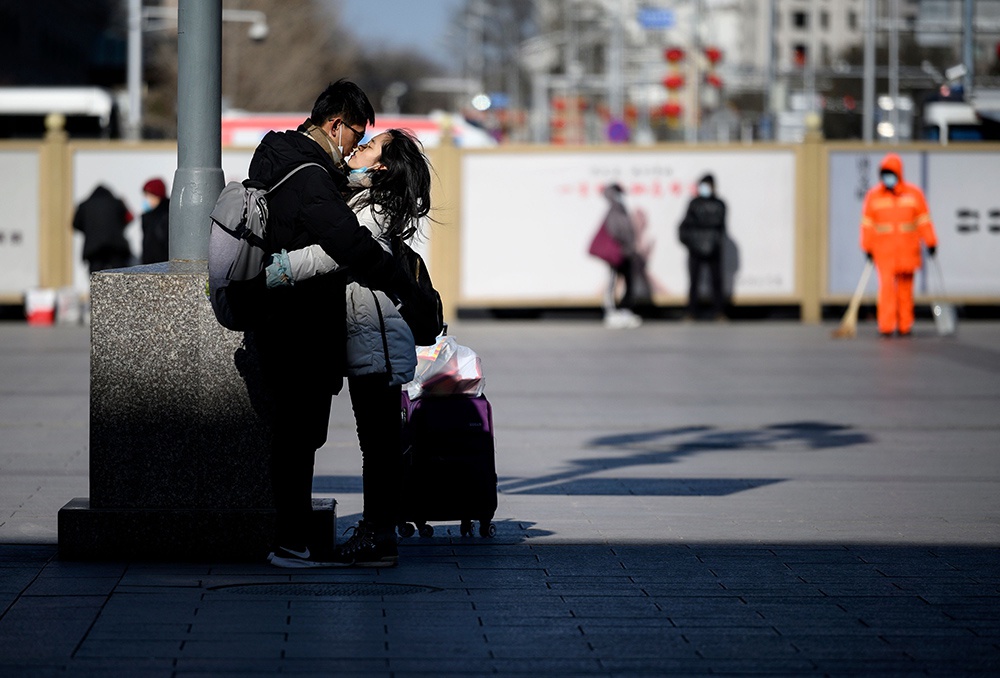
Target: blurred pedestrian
703 233
626 264
102 219
155 222
894 222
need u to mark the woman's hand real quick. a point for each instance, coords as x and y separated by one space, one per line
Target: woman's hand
279 271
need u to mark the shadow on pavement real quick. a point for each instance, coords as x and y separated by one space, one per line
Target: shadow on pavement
667 446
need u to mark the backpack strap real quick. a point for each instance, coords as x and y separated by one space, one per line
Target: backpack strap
288 176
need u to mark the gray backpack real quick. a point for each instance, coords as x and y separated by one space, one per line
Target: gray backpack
236 248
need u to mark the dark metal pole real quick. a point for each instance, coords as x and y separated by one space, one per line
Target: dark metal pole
199 178
968 48
894 68
771 105
134 71
868 96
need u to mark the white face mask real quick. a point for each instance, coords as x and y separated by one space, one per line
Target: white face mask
890 180
704 190
340 140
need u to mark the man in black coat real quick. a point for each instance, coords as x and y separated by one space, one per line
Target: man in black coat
703 232
102 219
301 342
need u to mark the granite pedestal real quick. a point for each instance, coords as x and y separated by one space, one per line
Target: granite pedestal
179 464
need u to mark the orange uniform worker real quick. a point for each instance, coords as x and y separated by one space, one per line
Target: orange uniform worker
894 221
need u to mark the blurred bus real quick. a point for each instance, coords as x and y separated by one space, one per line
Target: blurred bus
954 119
90 112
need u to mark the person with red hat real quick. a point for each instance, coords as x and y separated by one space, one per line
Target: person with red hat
155 222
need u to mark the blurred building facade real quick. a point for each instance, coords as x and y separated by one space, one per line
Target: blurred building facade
727 69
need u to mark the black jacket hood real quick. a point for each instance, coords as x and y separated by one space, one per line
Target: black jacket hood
281 152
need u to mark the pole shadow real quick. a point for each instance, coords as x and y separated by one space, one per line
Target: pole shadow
667 446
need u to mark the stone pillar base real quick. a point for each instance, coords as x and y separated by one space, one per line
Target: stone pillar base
179 437
193 535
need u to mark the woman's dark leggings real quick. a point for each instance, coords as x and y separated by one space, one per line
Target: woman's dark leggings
624 269
380 428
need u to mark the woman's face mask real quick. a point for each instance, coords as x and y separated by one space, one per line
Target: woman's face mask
889 180
704 190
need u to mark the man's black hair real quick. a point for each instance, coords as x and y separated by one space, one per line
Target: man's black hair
343 99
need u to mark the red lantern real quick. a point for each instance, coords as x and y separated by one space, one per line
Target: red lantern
713 54
674 55
672 109
559 104
673 81
799 55
714 80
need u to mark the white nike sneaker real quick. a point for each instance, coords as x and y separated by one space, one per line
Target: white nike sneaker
292 558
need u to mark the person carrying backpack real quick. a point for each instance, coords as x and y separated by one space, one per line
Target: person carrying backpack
300 334
392 181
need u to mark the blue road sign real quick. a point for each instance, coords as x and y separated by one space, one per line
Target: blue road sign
652 18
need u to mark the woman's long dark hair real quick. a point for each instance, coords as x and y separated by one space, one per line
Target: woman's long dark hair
400 194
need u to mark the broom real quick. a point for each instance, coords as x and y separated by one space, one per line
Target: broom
849 323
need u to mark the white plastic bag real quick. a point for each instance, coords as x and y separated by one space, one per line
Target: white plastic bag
446 368
945 315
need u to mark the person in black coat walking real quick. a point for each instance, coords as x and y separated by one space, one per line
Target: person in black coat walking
301 340
102 219
155 222
703 232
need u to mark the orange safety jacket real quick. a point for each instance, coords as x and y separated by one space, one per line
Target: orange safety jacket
895 221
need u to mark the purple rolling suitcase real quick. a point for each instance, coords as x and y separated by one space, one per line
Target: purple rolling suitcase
449 463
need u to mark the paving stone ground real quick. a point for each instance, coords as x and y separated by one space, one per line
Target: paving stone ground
689 499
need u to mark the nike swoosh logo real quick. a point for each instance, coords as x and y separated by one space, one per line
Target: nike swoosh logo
297 554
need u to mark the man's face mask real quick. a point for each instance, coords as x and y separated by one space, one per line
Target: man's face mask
705 190
889 180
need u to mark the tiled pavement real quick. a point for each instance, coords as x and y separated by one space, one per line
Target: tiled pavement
748 498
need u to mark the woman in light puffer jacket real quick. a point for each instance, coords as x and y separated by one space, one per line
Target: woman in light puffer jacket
392 179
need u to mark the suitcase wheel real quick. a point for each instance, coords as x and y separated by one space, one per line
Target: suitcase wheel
486 528
467 529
